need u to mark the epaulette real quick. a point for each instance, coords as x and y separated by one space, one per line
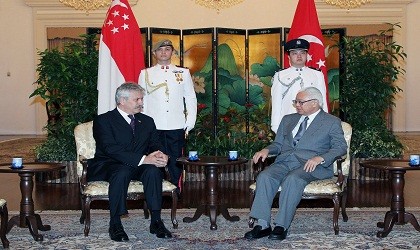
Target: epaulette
181 67
314 68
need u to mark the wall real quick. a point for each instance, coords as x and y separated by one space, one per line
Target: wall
17 70
26 34
412 90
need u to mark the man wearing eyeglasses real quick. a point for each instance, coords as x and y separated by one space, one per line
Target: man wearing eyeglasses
306 145
287 82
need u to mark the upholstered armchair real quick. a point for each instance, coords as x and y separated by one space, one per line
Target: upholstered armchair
98 190
4 215
333 188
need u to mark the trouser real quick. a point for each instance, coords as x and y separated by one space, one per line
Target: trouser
292 181
173 142
119 177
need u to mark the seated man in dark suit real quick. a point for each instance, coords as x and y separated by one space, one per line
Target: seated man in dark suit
127 148
306 145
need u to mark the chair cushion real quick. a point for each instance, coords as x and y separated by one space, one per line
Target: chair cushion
345 166
326 186
2 202
96 188
85 143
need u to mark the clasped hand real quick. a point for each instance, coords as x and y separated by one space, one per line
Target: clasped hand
156 158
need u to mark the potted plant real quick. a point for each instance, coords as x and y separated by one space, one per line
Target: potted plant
367 96
67 81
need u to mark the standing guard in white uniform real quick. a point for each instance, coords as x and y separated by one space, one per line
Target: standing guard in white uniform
171 101
286 83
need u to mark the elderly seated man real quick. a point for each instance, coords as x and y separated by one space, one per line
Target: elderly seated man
306 145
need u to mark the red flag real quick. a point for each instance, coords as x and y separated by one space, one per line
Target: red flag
306 26
121 56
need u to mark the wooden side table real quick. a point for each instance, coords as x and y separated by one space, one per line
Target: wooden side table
397 214
212 204
27 216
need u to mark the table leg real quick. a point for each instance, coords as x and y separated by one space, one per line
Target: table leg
27 216
212 184
387 225
212 204
200 210
397 214
213 216
224 211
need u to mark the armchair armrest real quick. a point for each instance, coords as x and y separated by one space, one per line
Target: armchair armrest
260 165
83 177
340 175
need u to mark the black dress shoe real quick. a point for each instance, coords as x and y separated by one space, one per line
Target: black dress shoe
278 233
257 233
117 233
160 230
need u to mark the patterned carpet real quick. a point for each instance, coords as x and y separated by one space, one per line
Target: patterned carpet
311 229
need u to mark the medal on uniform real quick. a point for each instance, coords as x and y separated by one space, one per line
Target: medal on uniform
178 77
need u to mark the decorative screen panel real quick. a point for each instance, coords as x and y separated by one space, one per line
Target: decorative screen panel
231 87
334 62
197 55
264 48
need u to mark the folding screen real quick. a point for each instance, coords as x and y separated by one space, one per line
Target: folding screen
197 55
264 53
334 63
144 36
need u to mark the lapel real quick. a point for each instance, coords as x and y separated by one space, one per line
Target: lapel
290 126
315 125
139 121
120 121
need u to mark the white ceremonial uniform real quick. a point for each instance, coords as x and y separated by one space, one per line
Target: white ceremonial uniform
167 87
285 85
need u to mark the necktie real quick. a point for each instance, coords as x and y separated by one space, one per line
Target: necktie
133 122
301 131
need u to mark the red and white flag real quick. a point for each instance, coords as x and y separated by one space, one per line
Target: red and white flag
306 26
121 56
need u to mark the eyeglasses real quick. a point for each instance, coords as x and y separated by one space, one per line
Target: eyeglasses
295 102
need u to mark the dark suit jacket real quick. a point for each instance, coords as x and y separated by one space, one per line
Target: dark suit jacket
324 137
116 144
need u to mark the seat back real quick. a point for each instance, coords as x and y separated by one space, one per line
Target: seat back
347 136
85 143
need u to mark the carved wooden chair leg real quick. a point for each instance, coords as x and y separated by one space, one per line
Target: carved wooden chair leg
88 200
343 206
83 215
251 220
336 200
3 228
173 209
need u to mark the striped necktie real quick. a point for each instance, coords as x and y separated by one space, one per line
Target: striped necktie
301 131
132 122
